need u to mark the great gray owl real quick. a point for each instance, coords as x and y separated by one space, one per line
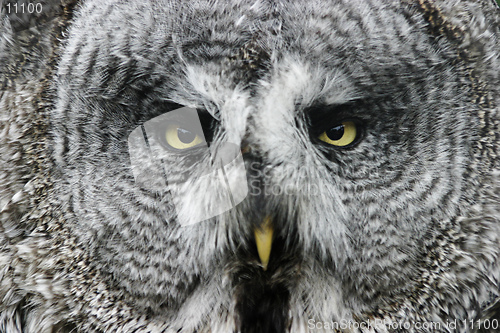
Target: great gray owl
249 166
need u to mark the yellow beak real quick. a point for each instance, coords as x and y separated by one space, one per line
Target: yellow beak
264 240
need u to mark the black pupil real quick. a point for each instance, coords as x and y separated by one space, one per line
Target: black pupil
335 133
185 136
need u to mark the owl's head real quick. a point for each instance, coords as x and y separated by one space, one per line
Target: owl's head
269 155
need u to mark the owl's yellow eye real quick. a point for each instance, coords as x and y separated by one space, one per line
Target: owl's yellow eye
181 138
340 135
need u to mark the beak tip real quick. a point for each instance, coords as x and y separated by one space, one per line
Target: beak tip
264 242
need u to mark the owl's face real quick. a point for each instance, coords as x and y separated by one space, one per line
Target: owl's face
355 129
